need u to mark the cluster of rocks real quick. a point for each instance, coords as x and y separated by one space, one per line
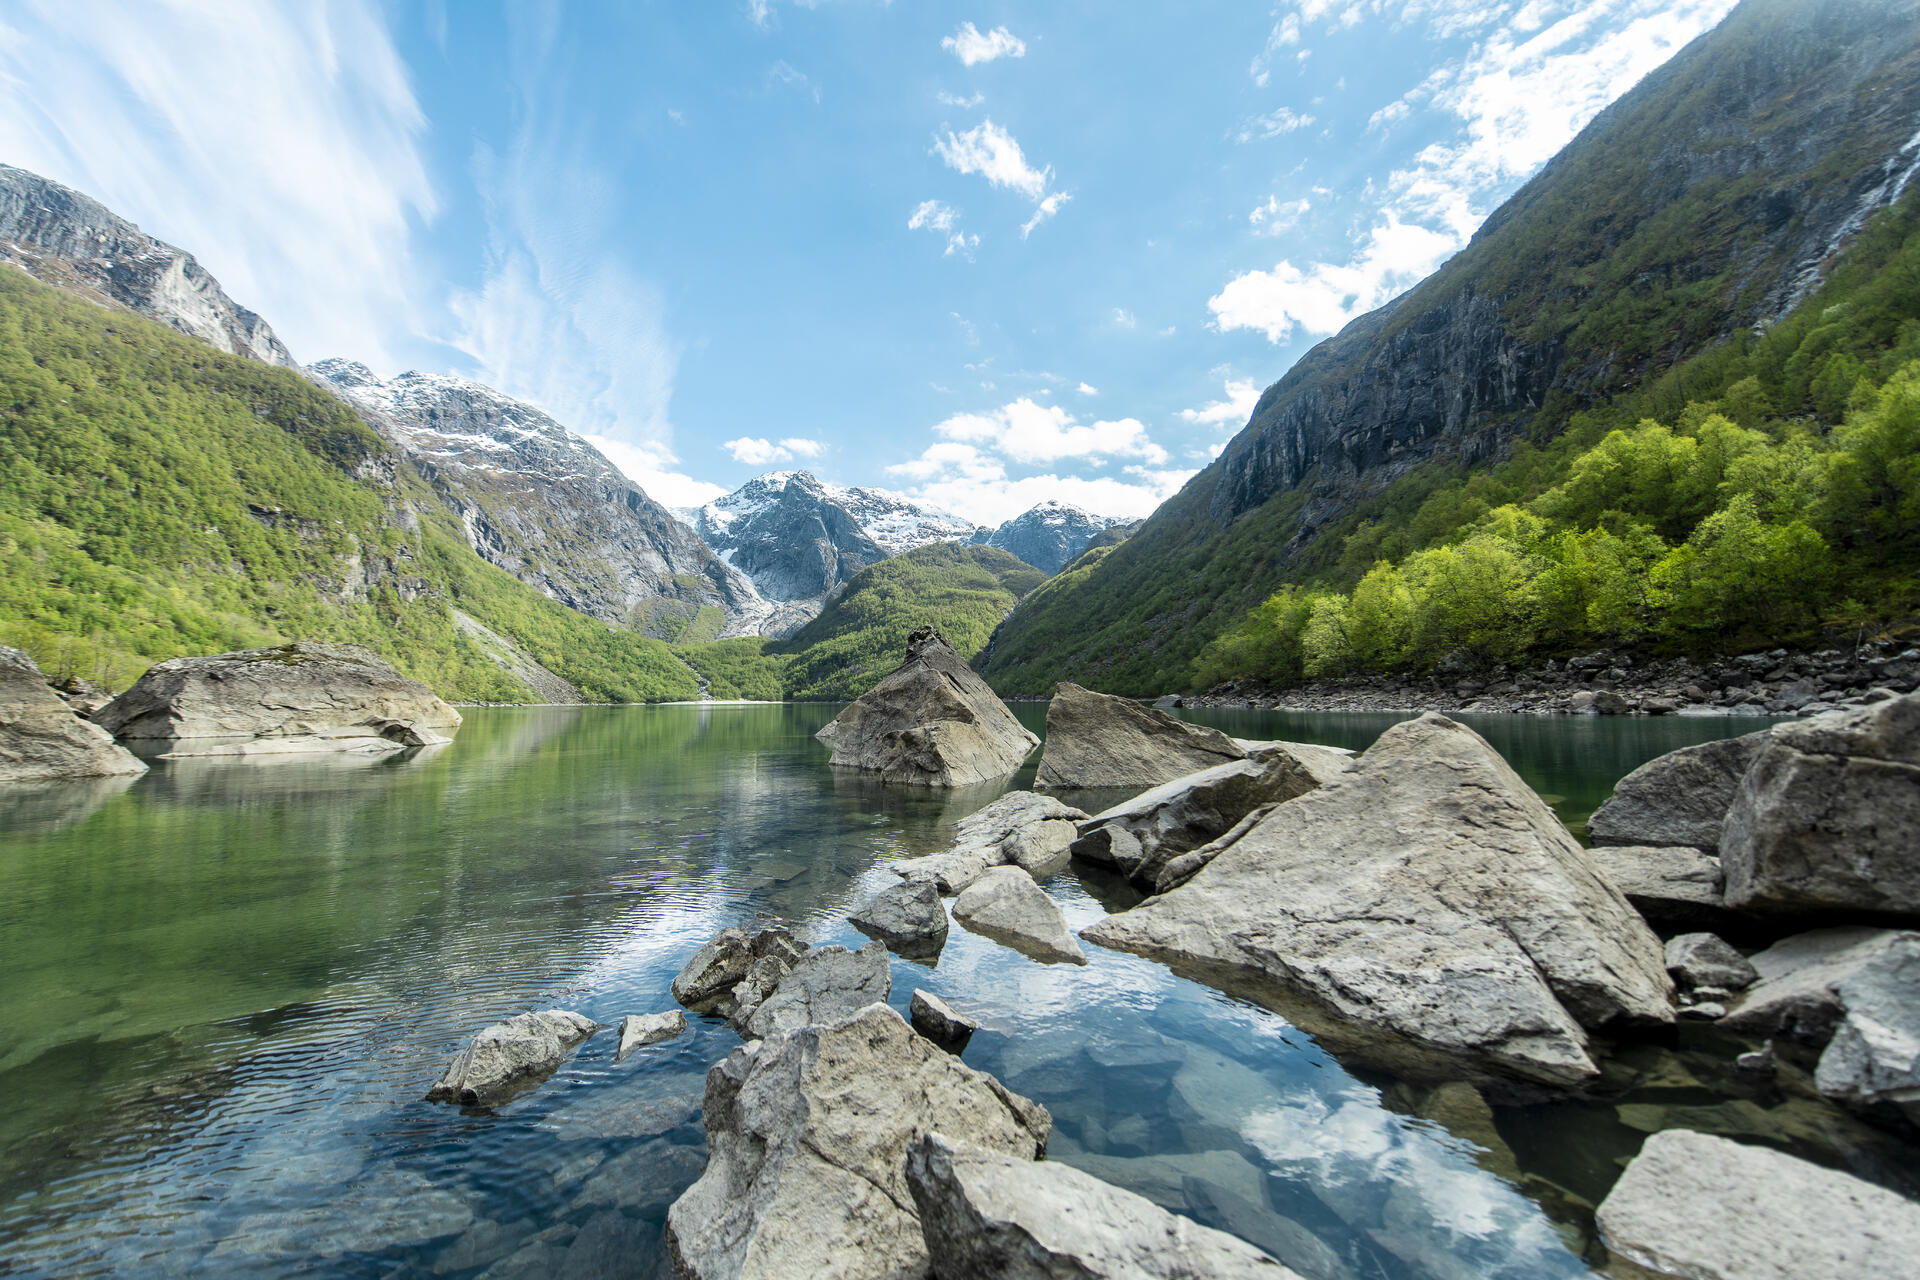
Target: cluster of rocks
510 1058
1777 682
292 699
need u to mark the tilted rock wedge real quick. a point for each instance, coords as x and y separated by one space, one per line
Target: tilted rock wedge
298 697
1827 818
808 1134
1424 910
42 740
1680 798
1099 740
1006 905
989 1214
1704 1207
510 1056
931 723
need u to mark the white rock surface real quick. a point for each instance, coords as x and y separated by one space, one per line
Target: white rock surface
1006 905
640 1030
1874 1057
42 740
825 985
1020 824
509 1056
1798 994
1711 1209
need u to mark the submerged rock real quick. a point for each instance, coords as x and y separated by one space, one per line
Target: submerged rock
988 1213
908 918
298 697
1140 837
1695 1205
42 740
808 1134
509 1056
931 723
1680 798
1826 817
1098 740
1006 905
1873 1059
1019 828
939 1022
824 985
640 1030
1428 907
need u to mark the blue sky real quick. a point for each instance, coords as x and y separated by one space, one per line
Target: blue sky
987 253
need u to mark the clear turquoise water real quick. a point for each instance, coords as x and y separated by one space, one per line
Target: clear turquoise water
225 987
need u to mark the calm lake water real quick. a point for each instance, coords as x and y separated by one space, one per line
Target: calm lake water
225 987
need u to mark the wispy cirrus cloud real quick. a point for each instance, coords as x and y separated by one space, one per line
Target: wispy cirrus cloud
294 128
974 46
942 219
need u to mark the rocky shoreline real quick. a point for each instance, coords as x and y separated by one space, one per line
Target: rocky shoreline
1776 682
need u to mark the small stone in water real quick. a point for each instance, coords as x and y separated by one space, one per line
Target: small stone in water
636 1030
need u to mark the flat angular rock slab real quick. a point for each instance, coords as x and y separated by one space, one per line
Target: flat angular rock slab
1020 828
296 697
1140 837
931 723
1680 798
908 918
42 740
1425 911
825 985
808 1134
511 1056
1006 905
1874 1057
1798 994
987 1213
1699 1206
1097 740
1827 818
639 1030
1673 886
940 1022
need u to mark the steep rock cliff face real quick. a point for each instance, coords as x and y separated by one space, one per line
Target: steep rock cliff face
801 540
548 507
75 243
1709 199
1050 535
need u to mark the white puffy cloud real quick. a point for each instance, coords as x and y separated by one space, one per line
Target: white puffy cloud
280 144
652 468
943 219
1025 431
969 481
1277 216
758 451
1537 75
992 152
1231 411
1087 389
1046 209
972 46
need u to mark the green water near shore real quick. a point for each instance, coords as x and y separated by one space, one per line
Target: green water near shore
227 985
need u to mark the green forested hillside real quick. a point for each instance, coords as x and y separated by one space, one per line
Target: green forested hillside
862 634
159 498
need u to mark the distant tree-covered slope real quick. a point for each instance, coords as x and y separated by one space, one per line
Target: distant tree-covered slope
1703 204
862 634
159 498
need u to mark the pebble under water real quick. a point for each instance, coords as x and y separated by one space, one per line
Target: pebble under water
228 985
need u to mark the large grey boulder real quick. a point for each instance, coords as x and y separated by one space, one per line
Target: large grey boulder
908 918
1098 740
1006 905
1673 886
1680 798
1141 836
1424 910
825 985
1827 817
297 697
1798 994
42 740
1874 1057
510 1056
1711 1209
931 723
1020 828
808 1134
989 1215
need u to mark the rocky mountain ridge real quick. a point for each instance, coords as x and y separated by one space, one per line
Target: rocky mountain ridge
73 242
1050 536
